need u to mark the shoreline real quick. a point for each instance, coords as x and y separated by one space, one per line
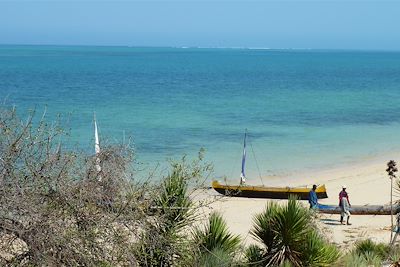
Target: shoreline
297 176
366 181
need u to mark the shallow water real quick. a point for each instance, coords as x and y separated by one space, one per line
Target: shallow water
303 109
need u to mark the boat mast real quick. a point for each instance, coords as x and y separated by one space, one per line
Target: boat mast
97 146
242 174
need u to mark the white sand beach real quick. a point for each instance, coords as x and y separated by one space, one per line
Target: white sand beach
366 181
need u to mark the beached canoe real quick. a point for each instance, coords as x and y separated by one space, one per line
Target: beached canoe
244 190
361 209
267 192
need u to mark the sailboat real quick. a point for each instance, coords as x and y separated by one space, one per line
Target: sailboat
244 190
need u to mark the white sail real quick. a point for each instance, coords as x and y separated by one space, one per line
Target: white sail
97 147
242 174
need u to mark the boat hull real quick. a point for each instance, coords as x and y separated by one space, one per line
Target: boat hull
267 192
361 209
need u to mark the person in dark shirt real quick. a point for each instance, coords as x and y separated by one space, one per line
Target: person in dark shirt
312 198
344 205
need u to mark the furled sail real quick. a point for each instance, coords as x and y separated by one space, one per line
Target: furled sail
97 147
242 174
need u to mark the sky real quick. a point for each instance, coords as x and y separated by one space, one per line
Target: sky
323 24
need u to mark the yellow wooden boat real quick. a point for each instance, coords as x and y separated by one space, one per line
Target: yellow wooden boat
267 192
244 190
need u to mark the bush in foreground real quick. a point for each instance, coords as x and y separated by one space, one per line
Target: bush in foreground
367 253
287 233
216 245
368 246
58 209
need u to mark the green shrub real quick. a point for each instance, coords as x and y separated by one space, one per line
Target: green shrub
288 234
286 264
254 256
318 252
368 246
361 260
367 253
394 255
216 257
216 245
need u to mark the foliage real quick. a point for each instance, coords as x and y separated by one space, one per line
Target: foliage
317 251
57 209
174 203
54 209
216 244
287 233
164 241
368 246
254 256
394 255
365 260
216 257
286 264
216 235
367 253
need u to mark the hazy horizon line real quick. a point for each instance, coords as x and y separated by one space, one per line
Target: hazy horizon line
205 47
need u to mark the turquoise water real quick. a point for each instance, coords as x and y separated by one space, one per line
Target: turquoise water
303 109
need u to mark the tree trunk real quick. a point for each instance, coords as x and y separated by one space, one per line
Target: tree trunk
391 209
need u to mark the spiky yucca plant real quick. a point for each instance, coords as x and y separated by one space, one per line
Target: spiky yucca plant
367 253
163 240
216 257
215 242
174 202
368 246
288 234
361 260
317 251
216 235
254 256
286 264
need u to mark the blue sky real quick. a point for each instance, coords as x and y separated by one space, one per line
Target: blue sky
273 24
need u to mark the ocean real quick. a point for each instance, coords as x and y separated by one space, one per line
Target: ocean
303 109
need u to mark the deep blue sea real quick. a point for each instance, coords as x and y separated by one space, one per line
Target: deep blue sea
303 109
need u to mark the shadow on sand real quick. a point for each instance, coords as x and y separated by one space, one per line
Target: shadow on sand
331 221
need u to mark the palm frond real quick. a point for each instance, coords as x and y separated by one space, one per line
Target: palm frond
254 256
368 246
216 257
318 252
291 225
174 202
287 234
354 259
215 235
262 231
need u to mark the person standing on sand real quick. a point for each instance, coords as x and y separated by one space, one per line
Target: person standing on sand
312 198
344 205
